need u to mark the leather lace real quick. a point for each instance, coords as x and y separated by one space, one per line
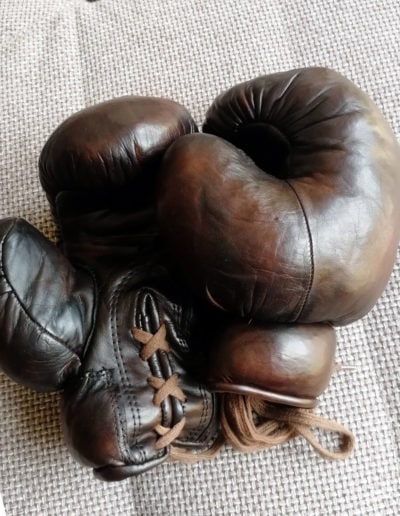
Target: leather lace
151 343
251 424
248 423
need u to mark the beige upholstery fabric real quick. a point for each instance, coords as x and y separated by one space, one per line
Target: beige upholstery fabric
57 56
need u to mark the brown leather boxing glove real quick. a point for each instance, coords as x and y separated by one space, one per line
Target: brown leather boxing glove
100 317
286 212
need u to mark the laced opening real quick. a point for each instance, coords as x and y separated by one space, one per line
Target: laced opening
251 424
151 343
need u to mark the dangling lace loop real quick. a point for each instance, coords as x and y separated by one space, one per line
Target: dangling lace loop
252 424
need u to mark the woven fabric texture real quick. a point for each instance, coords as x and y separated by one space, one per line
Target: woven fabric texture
61 55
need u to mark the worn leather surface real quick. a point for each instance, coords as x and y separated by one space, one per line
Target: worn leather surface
46 308
289 208
115 144
289 364
288 212
68 314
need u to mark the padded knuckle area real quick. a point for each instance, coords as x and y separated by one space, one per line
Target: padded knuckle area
112 144
281 203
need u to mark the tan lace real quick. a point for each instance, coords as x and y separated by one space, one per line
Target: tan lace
251 424
170 387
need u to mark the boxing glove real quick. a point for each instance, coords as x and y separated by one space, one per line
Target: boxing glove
100 317
289 211
287 214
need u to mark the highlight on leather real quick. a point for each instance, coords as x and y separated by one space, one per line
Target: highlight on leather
115 144
46 309
67 311
281 206
289 364
287 214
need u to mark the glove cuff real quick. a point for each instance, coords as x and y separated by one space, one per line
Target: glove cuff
289 364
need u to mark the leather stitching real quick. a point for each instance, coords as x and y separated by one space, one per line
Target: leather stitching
117 419
114 395
119 360
311 256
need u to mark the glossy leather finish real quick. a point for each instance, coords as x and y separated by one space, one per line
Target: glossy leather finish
290 210
68 318
46 309
289 364
287 213
113 145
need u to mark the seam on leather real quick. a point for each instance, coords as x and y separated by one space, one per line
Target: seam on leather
87 343
91 377
195 432
115 390
214 436
131 399
204 412
167 358
311 254
61 240
120 362
117 418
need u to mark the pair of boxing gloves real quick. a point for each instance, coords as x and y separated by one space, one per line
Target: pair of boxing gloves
244 244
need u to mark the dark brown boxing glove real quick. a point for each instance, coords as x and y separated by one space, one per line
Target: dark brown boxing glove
288 212
100 317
